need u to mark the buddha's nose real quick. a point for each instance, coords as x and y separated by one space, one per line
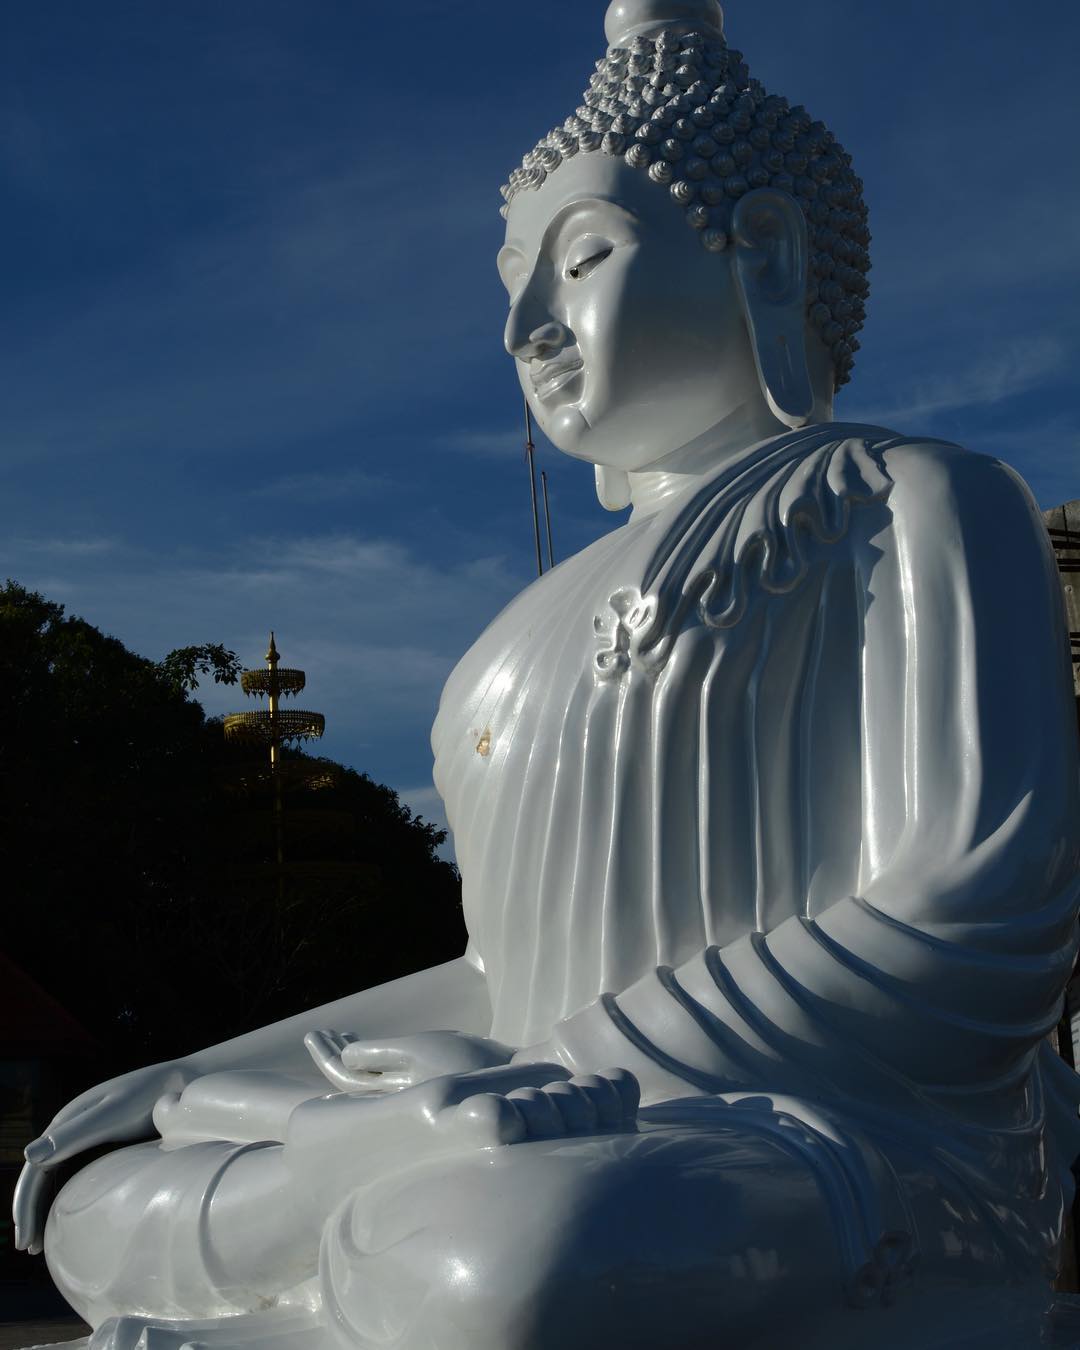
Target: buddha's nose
528 344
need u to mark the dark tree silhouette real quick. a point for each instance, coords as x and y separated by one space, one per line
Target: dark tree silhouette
138 852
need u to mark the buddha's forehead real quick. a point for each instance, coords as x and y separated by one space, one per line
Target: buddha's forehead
586 179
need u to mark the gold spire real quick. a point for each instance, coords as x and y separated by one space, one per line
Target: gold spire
274 728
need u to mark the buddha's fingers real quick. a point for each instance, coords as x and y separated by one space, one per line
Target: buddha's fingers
108 1121
388 1068
340 1040
84 1104
377 1058
327 1049
85 1101
29 1207
42 1151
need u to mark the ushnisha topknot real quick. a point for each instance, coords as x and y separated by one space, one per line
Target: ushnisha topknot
677 103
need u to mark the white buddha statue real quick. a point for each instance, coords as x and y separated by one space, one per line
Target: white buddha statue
766 806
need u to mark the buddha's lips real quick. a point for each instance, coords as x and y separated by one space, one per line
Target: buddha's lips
550 376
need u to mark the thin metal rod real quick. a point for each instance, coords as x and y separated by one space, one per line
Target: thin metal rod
547 517
529 449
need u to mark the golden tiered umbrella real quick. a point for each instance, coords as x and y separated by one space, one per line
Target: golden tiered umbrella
274 726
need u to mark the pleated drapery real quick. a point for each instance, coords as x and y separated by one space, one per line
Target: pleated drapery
802 732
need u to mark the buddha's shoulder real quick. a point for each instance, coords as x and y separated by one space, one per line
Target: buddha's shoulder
937 480
924 463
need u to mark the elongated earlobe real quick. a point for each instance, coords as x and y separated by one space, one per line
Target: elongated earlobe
612 488
771 262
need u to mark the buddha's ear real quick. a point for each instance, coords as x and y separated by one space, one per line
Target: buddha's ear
771 264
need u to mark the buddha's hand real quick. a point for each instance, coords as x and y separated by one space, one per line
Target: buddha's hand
115 1112
354 1139
397 1062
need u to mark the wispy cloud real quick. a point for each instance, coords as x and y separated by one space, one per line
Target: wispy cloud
348 556
1016 368
256 332
73 546
498 444
377 627
316 489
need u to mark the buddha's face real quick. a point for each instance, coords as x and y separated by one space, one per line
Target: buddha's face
629 336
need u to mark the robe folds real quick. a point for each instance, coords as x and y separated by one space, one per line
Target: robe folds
775 788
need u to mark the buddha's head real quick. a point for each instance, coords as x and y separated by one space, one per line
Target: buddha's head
685 252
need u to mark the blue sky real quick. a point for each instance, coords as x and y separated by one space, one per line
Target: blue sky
251 335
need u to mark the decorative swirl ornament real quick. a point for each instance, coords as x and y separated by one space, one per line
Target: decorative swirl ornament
764 534
670 92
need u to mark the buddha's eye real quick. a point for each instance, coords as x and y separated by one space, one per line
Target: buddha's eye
577 271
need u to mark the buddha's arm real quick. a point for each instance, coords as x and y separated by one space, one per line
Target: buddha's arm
453 995
947 970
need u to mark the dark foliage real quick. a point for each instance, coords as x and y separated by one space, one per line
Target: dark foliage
183 666
139 858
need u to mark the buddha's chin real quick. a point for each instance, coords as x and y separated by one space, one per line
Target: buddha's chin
568 430
603 441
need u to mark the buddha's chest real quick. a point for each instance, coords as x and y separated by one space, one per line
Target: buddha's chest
530 663
551 680
713 598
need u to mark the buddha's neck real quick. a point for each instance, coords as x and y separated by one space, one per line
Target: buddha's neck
677 472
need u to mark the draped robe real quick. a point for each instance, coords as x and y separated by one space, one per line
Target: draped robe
776 787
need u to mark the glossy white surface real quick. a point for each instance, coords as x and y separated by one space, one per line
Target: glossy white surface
767 809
